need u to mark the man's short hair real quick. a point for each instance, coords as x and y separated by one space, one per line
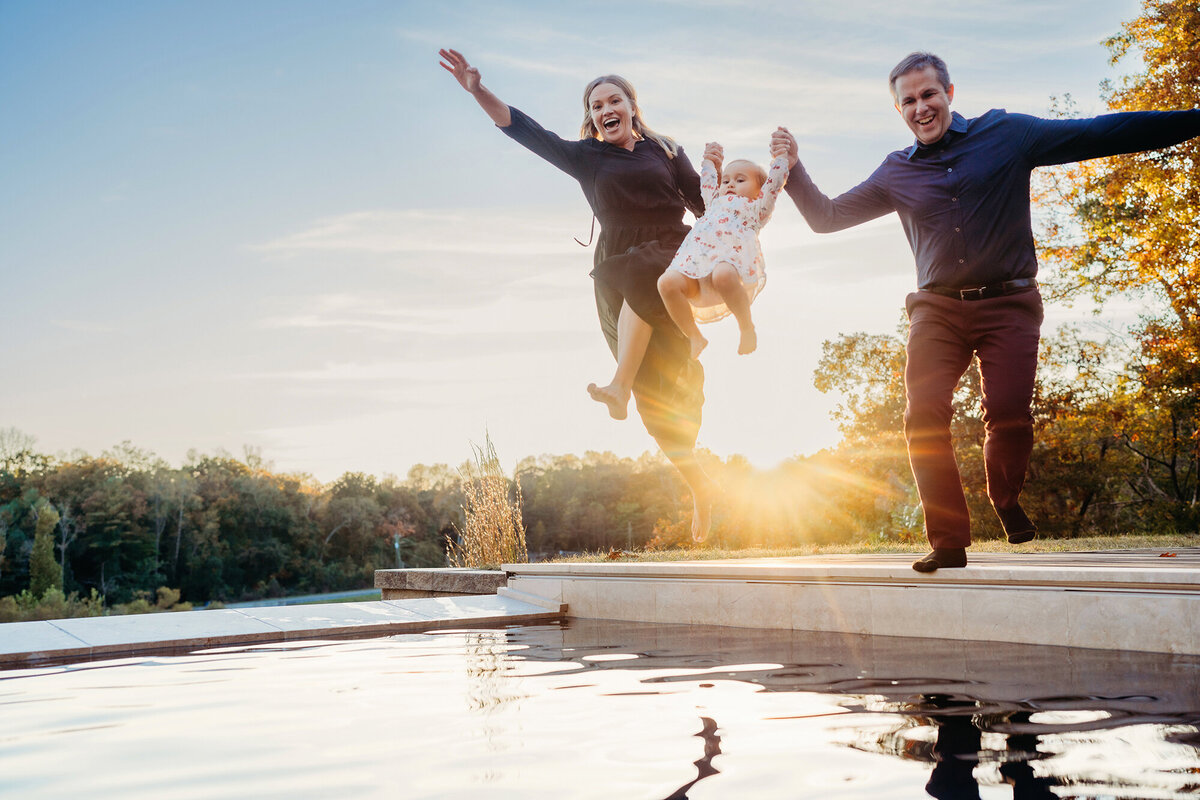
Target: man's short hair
918 61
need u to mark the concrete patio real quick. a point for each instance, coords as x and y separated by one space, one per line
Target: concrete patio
1147 601
88 637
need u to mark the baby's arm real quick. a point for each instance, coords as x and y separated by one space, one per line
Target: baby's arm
710 173
776 178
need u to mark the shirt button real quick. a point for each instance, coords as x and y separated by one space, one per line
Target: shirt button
960 261
953 199
958 230
949 169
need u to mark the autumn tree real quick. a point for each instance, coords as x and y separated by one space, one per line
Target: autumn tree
1133 230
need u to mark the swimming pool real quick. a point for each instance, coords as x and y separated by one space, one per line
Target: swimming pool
593 709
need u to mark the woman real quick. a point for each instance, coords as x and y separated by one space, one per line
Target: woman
638 184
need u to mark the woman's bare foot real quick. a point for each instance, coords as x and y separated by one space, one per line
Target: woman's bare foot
748 342
698 343
613 397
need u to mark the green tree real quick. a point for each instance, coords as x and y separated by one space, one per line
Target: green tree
44 571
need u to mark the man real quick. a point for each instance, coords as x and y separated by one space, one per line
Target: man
962 193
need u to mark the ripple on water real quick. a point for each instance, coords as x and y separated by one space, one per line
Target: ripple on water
602 709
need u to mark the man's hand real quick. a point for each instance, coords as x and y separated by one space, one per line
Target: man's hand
783 143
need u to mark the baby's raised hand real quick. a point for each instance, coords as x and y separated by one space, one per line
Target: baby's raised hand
715 153
466 75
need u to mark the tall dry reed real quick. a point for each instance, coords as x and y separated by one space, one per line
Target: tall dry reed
493 532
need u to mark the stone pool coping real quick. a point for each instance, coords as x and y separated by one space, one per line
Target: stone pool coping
1142 600
1137 600
87 637
398 584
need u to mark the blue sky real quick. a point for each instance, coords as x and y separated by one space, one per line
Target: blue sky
281 225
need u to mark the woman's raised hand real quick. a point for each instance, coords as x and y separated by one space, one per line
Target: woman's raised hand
466 75
468 78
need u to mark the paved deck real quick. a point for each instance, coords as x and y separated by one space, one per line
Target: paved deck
83 638
1140 600
1145 600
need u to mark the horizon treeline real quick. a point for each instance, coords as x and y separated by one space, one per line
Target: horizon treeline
220 528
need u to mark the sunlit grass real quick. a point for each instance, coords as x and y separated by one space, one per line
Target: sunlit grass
1082 544
493 532
366 596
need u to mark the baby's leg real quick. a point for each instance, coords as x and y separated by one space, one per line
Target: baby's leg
633 337
728 284
675 289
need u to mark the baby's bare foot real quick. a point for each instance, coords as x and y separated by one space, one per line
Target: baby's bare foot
698 344
748 342
613 397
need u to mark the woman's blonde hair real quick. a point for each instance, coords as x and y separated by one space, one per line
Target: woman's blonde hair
589 131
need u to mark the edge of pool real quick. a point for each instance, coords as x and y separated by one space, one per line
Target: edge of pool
89 637
1135 600
1132 600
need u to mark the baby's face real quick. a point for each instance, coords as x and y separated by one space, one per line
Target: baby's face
741 179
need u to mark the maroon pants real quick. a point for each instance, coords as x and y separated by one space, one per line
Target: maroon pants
944 333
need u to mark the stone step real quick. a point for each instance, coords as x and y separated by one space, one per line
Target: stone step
1127 600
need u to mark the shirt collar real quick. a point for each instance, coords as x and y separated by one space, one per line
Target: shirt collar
958 125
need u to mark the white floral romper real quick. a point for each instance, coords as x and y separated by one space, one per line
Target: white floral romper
728 232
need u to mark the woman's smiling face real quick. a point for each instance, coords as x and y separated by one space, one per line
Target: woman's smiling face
612 114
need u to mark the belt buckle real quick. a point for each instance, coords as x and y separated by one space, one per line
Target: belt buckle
973 293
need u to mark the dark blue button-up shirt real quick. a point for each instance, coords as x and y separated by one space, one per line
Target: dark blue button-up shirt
964 201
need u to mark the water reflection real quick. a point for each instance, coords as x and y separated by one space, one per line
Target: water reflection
595 709
958 748
704 767
1031 718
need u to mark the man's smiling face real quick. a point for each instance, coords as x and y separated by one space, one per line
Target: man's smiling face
924 103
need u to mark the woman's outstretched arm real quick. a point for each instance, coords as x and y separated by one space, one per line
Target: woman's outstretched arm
468 77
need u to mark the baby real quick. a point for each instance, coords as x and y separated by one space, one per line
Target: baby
719 268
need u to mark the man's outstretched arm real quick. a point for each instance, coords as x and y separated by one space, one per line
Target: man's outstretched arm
1059 141
864 202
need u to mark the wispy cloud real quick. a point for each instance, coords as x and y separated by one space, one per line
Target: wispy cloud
83 326
466 231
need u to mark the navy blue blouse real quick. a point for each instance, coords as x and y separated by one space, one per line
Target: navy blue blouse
638 188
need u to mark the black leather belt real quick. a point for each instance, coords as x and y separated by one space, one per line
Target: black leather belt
984 292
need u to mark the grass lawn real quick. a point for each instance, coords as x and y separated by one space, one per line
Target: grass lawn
367 594
704 553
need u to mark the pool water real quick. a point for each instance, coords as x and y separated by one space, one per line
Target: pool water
594 709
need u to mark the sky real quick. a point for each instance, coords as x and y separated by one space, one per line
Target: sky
280 225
